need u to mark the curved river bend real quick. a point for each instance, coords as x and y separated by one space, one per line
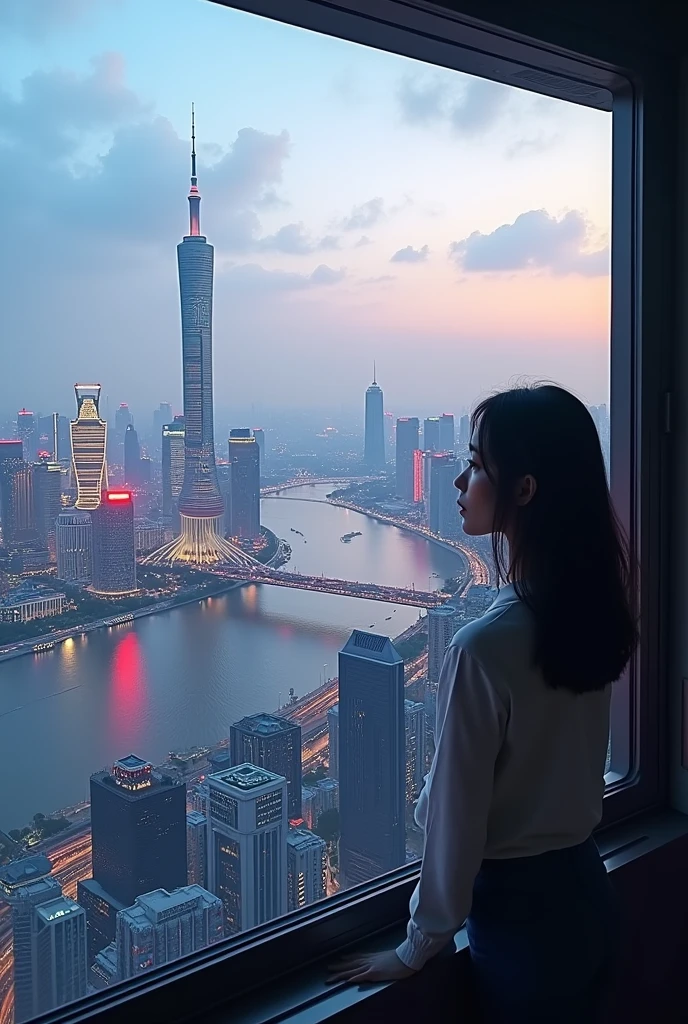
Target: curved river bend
182 677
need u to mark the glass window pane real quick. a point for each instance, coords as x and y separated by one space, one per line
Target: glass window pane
232 565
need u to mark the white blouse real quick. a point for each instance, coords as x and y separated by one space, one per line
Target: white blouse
518 769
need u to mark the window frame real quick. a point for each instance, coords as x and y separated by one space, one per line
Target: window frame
639 91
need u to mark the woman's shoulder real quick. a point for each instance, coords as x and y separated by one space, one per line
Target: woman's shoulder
501 629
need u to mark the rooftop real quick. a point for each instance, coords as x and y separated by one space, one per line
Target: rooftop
195 818
19 872
132 763
60 907
372 647
246 777
303 839
443 610
263 724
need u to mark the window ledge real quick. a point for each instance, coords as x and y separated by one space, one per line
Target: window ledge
304 997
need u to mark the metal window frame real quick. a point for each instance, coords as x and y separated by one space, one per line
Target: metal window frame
639 91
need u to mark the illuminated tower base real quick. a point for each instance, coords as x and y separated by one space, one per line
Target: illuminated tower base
201 543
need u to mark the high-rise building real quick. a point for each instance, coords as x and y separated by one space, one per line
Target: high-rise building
442 624
149 535
88 435
11 460
306 868
138 828
242 516
333 740
132 457
61 954
196 835
259 435
442 510
407 444
47 498
74 546
172 465
419 476
26 884
123 419
273 743
114 545
372 756
431 434
28 433
101 915
414 716
247 845
201 507
447 438
161 416
18 510
374 445
161 926
64 440
464 431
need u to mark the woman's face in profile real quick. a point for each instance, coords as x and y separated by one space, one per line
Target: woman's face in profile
476 495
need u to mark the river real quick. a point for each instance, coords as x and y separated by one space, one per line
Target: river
182 677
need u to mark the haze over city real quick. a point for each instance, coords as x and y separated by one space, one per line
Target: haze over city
368 206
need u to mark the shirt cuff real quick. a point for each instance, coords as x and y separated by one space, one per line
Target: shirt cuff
417 948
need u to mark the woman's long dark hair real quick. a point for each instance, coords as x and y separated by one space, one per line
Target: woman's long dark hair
569 559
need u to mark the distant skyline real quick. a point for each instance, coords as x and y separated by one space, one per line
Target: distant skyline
368 206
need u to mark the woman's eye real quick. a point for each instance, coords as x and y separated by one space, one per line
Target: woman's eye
472 464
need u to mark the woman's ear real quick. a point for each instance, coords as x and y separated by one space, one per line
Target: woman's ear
525 489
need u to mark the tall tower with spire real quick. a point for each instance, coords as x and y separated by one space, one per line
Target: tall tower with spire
374 445
201 505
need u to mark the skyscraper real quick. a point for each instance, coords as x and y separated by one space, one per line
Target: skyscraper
259 435
243 512
123 419
374 447
442 624
132 457
247 845
273 743
464 431
161 926
419 475
26 884
431 434
407 444
11 459
306 868
74 546
161 416
88 435
47 497
372 757
196 835
61 955
138 827
114 545
447 438
443 514
101 915
172 465
200 503
27 432
414 717
18 511
333 740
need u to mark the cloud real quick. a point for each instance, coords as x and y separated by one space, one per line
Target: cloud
293 239
535 241
56 108
363 240
381 279
531 146
470 107
37 19
410 255
253 277
364 216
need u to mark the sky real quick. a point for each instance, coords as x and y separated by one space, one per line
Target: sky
362 206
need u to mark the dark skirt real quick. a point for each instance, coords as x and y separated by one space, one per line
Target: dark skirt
543 933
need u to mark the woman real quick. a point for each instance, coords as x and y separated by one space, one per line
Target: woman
516 785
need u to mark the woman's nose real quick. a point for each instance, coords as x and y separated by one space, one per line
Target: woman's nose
460 482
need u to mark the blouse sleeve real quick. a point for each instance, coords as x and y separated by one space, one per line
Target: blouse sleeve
454 805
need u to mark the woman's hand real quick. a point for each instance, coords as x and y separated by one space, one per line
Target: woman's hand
369 968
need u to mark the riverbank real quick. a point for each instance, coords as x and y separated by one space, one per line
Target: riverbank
46 641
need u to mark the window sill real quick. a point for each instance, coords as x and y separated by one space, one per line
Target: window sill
304 997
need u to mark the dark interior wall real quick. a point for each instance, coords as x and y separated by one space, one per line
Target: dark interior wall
653 980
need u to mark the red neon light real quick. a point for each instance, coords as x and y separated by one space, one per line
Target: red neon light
417 475
119 496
